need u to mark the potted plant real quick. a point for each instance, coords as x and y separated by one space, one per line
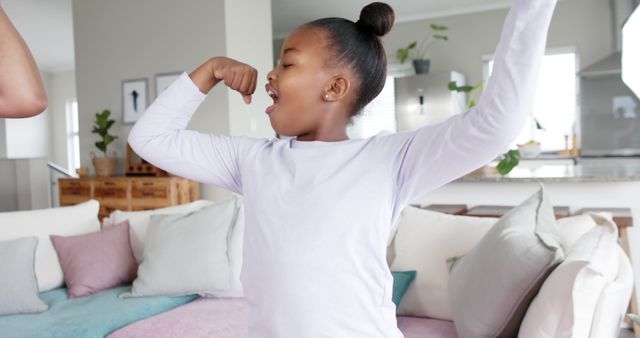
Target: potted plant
105 166
417 52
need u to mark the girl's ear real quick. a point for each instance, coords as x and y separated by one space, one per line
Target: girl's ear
337 88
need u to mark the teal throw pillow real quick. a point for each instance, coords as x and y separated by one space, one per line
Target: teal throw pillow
401 282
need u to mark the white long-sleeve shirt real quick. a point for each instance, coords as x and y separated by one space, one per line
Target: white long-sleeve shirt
319 214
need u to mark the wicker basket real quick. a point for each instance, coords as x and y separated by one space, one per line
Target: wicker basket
105 166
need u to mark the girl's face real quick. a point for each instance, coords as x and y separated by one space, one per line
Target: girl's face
299 83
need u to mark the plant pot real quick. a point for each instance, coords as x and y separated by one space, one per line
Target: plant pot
422 66
104 166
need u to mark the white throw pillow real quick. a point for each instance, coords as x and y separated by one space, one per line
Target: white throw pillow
565 304
65 221
571 228
187 254
423 242
139 221
614 301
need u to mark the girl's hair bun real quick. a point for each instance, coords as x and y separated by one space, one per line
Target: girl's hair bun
377 17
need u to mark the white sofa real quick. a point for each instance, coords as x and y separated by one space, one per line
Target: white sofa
425 239
435 237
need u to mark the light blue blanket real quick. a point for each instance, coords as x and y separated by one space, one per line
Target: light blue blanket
92 316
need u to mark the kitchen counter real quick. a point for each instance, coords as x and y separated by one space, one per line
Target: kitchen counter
600 170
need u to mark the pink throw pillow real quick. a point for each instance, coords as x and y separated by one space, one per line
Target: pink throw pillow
96 261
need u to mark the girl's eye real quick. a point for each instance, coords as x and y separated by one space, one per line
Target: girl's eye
286 65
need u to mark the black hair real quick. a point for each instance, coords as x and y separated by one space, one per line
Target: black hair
357 45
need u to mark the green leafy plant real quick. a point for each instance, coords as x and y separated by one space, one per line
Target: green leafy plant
418 51
471 91
508 160
101 126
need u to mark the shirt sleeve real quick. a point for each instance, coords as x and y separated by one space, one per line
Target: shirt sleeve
160 137
434 155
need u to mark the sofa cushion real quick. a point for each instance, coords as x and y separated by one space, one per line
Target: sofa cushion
228 318
492 286
417 327
565 305
18 284
423 241
74 220
187 254
96 261
139 221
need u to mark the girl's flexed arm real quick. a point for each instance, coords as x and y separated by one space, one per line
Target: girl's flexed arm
237 76
434 155
161 138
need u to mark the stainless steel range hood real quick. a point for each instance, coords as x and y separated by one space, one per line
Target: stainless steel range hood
609 121
612 64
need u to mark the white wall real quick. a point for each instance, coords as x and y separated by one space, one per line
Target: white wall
62 87
250 119
8 185
118 40
32 183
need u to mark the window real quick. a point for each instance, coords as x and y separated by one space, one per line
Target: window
73 136
378 115
555 102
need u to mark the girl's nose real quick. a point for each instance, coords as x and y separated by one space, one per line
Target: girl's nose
271 76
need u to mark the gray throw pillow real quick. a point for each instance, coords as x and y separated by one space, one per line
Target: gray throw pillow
18 283
187 254
491 287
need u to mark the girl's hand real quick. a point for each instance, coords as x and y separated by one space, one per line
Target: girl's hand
236 75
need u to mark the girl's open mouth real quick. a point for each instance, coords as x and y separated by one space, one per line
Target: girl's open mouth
271 92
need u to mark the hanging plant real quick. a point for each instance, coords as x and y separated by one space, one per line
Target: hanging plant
417 52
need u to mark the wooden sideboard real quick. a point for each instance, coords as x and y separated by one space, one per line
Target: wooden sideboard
128 193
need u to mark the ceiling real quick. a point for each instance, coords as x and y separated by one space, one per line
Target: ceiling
288 14
47 25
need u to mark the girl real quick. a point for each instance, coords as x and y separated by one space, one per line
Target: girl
320 207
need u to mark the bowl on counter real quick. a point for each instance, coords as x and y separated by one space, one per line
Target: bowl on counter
530 149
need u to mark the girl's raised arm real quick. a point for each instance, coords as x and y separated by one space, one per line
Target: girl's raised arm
161 138
434 155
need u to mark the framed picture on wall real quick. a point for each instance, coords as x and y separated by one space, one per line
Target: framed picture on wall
134 99
164 80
